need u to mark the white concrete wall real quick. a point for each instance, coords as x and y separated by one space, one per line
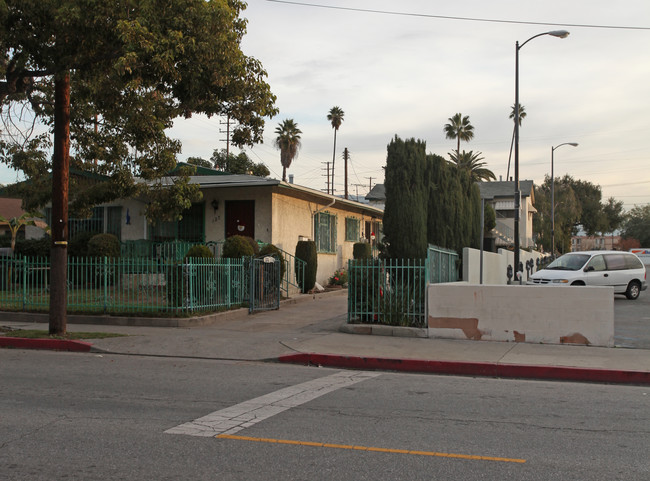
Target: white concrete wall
494 265
536 314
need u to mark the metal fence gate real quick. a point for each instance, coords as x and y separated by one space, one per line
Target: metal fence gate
265 284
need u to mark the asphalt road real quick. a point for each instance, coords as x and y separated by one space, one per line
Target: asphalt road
632 321
101 417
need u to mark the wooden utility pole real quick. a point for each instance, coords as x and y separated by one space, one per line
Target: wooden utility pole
60 181
346 157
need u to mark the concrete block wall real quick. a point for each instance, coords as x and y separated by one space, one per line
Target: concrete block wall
494 265
535 314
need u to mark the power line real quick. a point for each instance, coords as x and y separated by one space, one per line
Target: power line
466 19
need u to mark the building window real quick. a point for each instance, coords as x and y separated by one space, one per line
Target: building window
325 232
102 220
352 229
190 228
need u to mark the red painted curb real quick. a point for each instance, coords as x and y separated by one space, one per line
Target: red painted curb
51 344
463 368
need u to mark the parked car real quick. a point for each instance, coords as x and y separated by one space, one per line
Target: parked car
621 270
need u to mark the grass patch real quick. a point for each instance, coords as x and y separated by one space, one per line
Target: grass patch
41 334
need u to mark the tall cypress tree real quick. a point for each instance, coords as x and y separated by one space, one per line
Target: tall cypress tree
405 214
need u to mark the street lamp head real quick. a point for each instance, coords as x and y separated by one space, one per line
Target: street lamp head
559 33
573 144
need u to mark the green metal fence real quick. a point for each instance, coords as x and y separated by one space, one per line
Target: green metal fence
393 291
293 271
127 285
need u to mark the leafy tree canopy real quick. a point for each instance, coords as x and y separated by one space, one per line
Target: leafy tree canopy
237 164
637 225
577 204
134 66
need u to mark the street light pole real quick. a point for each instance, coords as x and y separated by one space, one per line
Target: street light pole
553 33
573 144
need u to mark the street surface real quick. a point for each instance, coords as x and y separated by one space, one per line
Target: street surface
632 321
110 417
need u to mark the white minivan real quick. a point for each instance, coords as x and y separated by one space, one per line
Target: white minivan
621 270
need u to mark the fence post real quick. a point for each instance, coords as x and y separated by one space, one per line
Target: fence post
228 283
105 284
24 283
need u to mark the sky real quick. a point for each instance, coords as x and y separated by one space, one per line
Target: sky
405 73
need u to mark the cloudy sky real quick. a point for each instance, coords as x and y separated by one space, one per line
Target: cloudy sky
404 67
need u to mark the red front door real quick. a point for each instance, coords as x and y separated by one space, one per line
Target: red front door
240 218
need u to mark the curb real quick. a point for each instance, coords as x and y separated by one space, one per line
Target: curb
49 344
461 368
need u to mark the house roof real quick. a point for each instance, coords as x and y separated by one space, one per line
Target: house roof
242 180
377 193
10 208
491 190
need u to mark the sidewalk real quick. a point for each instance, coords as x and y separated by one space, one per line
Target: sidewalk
307 330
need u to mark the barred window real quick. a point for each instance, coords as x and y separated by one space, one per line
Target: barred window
325 232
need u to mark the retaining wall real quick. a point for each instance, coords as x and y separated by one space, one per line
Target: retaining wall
535 314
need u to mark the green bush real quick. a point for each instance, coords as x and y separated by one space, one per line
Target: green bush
79 243
339 278
306 251
199 251
254 244
361 250
271 250
237 246
104 245
34 247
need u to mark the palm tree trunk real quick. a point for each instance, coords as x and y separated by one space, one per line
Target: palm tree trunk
284 174
512 143
333 159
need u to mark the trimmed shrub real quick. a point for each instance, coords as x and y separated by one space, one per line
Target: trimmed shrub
199 251
237 246
34 247
104 245
271 250
254 244
361 250
306 251
78 245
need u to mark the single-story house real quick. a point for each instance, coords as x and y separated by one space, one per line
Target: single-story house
268 210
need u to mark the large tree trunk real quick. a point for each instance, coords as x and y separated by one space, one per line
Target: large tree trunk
60 177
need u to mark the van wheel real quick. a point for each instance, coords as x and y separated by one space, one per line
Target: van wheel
633 290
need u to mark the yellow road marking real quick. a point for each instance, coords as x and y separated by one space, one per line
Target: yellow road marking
365 448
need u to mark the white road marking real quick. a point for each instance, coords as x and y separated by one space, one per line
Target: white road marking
235 418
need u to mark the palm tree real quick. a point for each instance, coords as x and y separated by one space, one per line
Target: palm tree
472 162
336 118
288 141
459 128
522 116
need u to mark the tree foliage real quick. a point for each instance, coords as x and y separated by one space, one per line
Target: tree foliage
428 201
237 164
288 142
459 128
637 225
578 205
134 67
405 228
472 163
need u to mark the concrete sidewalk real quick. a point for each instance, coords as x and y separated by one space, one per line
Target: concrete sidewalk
307 330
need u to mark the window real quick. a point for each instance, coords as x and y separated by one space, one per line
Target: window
597 263
325 232
352 229
190 228
102 220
